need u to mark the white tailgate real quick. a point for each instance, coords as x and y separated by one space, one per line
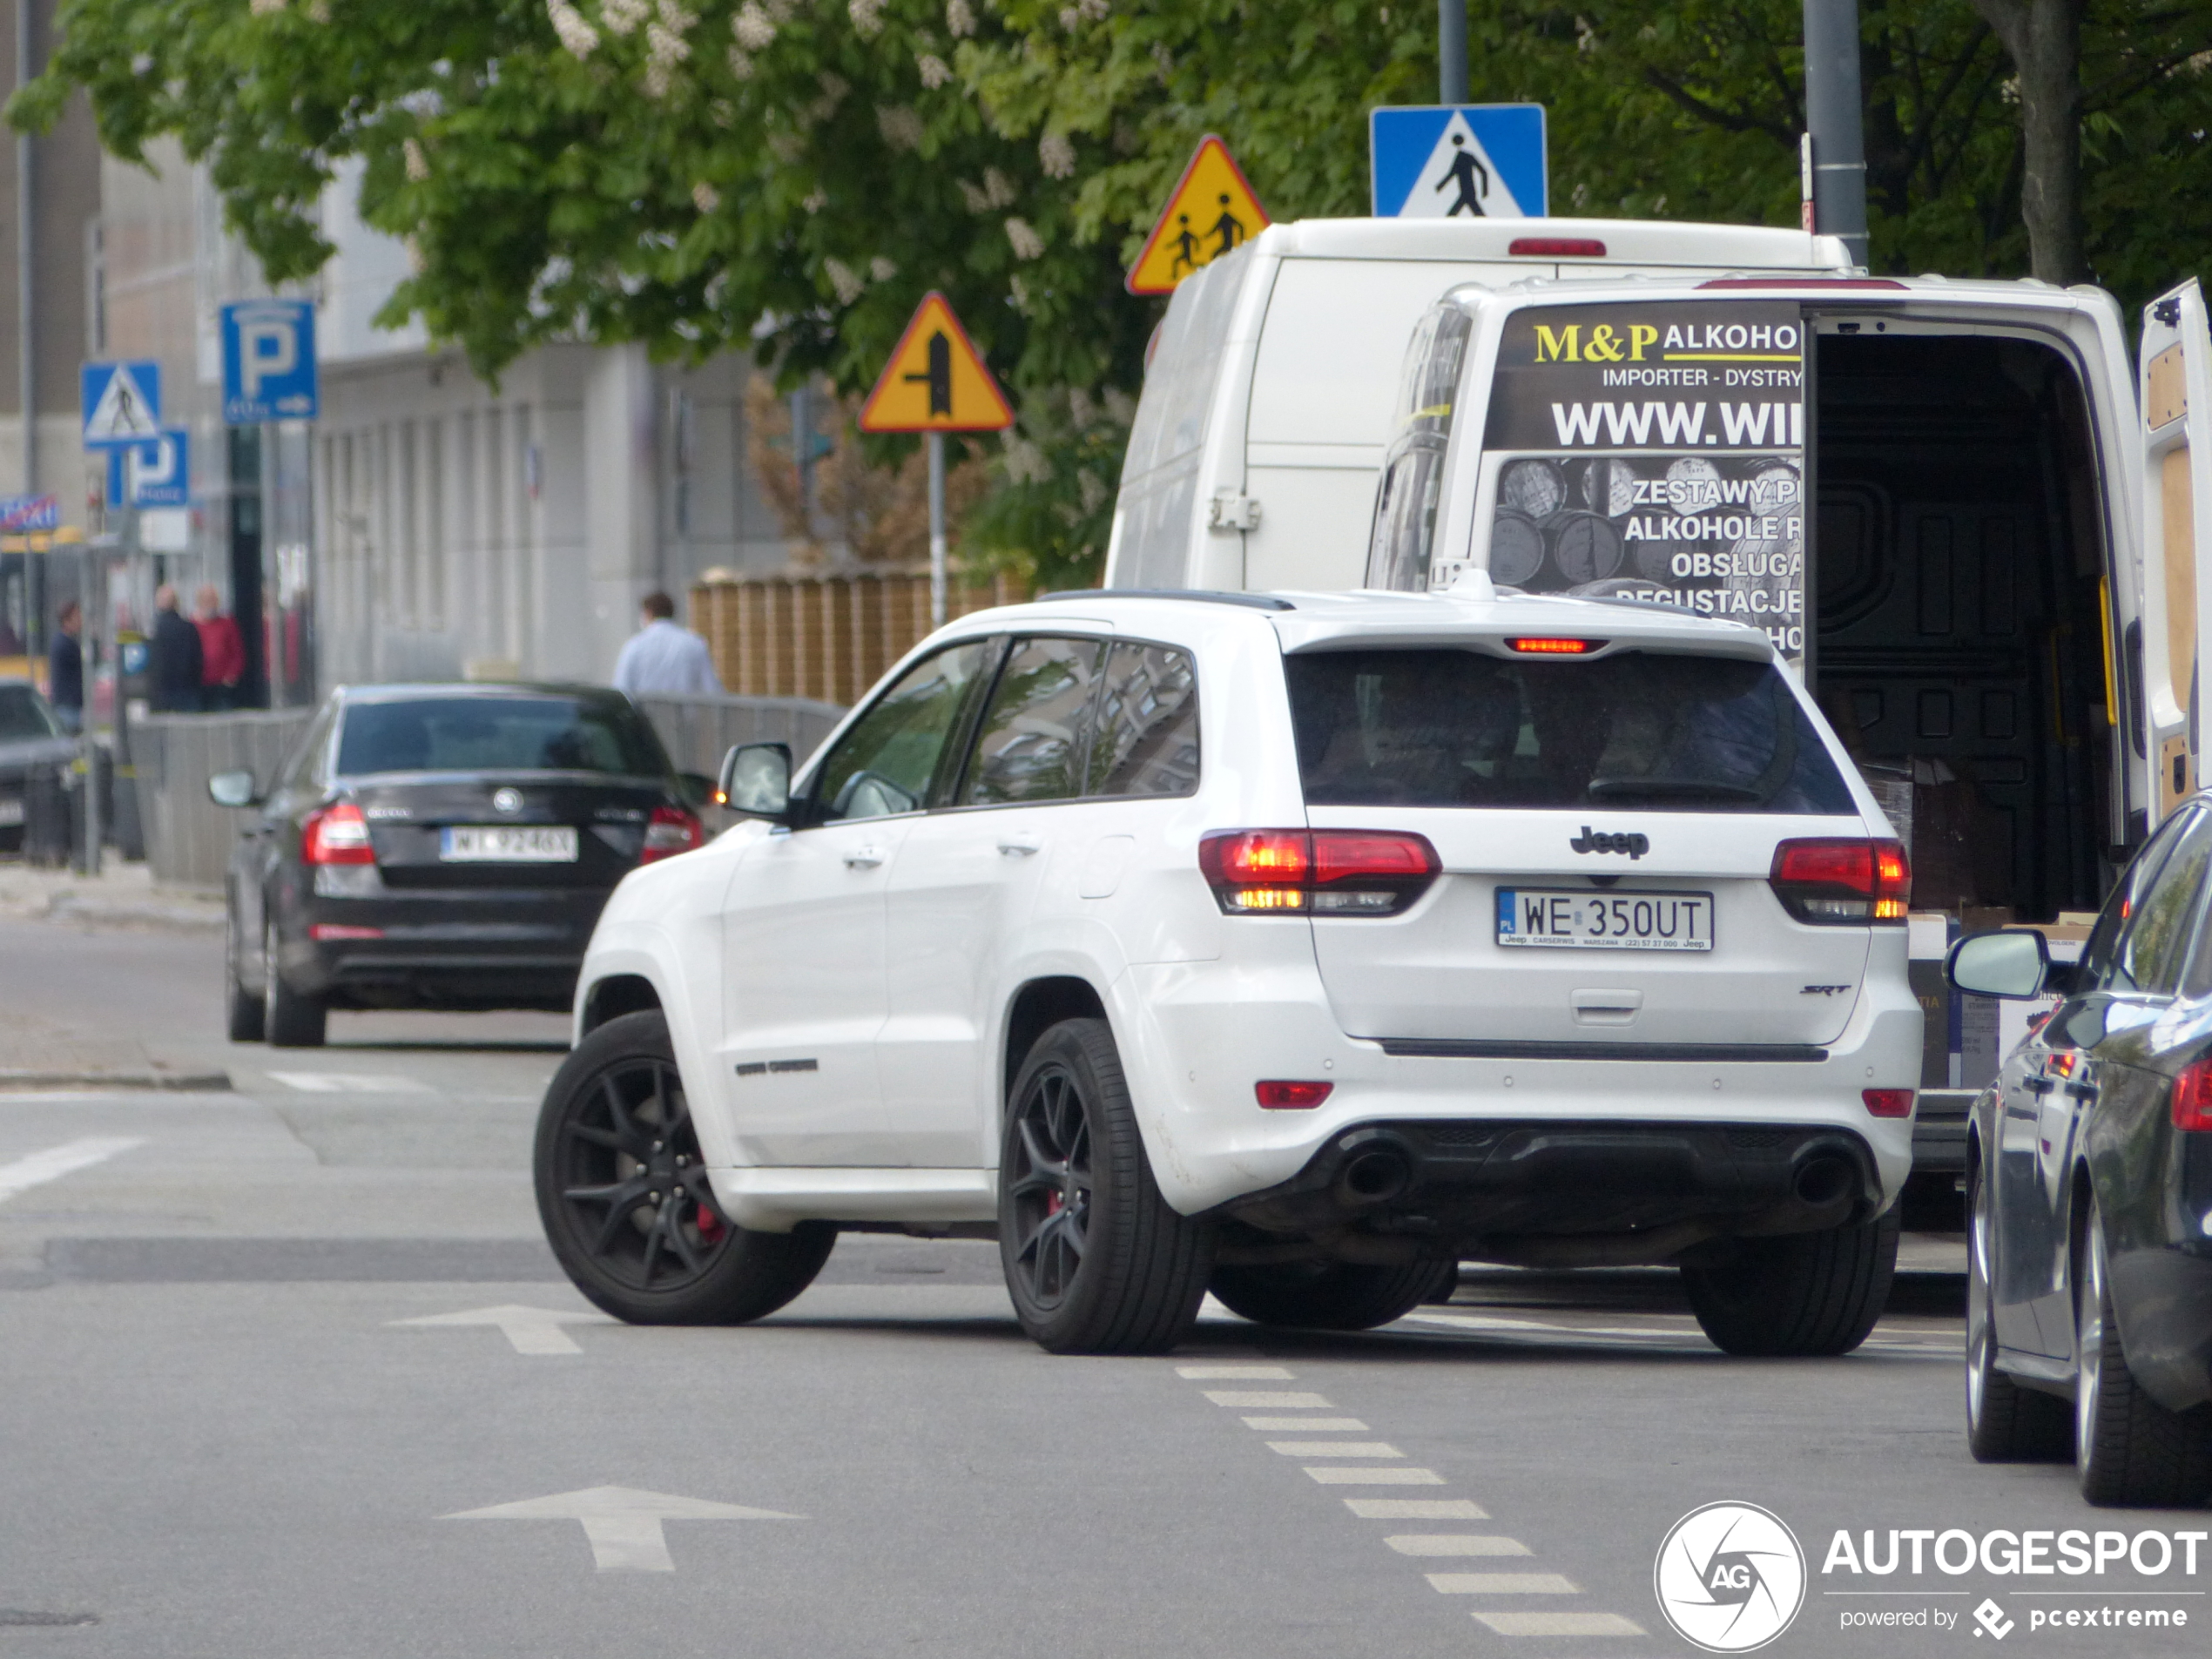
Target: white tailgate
1438 972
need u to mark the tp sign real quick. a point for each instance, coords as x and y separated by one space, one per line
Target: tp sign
156 473
269 362
1458 160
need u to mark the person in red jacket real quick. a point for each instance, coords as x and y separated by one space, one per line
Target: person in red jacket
222 652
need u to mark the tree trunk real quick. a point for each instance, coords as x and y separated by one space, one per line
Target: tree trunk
2043 39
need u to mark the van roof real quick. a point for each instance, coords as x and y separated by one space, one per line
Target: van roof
1627 241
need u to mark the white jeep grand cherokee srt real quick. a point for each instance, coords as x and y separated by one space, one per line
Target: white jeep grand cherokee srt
1294 948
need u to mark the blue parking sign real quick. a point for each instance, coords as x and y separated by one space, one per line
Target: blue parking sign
269 362
1458 160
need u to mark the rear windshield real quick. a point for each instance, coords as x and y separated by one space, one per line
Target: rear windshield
1450 728
23 715
498 734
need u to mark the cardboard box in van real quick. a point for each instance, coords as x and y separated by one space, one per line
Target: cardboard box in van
1267 400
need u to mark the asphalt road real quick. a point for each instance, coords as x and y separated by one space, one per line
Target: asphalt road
227 1428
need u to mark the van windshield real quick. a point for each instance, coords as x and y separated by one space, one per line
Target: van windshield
1453 728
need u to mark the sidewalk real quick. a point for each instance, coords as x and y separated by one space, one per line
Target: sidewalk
122 895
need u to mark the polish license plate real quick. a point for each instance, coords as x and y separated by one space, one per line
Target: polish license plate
507 844
10 811
1542 917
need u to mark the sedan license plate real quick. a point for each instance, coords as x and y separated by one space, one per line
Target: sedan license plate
10 811
1535 916
507 844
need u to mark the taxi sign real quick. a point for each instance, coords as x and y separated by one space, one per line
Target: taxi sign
935 381
1212 210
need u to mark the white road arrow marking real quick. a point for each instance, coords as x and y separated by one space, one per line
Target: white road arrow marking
531 1330
59 1161
622 1523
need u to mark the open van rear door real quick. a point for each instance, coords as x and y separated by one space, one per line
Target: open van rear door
2176 401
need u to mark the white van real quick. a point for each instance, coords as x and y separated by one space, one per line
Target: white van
1267 397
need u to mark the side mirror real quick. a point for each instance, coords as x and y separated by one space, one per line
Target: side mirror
756 780
696 787
233 789
2008 964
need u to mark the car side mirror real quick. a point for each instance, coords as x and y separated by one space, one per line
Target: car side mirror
233 789
2015 965
696 787
756 781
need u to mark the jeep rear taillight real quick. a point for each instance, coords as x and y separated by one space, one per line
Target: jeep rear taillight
1322 873
335 834
1843 883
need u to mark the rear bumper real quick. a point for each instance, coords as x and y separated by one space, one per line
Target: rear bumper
1940 1130
469 949
1566 1193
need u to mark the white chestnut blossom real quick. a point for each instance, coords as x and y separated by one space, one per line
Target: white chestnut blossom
623 17
1028 245
848 282
816 200
868 17
974 196
900 126
741 66
418 165
664 48
934 73
1081 411
998 189
882 269
706 197
1056 156
579 37
1025 462
754 28
266 8
960 17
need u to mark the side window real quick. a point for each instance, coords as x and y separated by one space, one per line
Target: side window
884 765
1147 738
302 768
2100 957
2151 949
1029 745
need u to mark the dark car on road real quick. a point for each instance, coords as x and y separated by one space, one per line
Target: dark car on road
2089 1192
440 847
29 738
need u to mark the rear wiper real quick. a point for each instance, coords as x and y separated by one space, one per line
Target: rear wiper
1671 789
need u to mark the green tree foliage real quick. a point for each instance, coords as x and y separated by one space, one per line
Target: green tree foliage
788 176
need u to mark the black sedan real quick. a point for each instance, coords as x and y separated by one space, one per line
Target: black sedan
2089 1192
442 846
30 736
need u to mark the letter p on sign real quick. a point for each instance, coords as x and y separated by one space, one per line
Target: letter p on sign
269 362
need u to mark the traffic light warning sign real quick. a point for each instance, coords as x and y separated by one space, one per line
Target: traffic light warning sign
935 381
1213 211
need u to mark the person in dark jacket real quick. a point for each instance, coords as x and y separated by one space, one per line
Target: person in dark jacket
177 661
65 667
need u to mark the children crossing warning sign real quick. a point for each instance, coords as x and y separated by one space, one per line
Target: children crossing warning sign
1212 210
935 381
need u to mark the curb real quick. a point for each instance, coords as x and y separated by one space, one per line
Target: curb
197 1083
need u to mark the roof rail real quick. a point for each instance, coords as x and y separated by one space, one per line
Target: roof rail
1208 596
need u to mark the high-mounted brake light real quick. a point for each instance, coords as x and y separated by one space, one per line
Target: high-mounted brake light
1557 247
1887 1103
1842 883
336 834
670 831
1284 1096
2193 1098
1555 647
1325 872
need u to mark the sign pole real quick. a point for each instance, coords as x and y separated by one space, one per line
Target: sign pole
1452 51
93 605
936 441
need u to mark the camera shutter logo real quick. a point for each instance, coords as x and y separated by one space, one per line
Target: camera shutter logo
1730 1577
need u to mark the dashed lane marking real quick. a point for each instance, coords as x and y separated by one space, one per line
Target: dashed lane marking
1282 1399
532 1330
1416 1509
1560 1624
349 1083
1307 1424
1334 1448
1385 1476
1503 1584
1222 1373
1454 1543
57 1161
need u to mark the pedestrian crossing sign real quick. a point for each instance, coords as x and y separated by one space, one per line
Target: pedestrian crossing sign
1212 210
122 403
936 379
1458 161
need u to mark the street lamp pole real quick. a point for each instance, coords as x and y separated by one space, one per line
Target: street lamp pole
1833 123
1452 50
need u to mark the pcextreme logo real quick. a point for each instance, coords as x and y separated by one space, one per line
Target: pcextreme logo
1730 1577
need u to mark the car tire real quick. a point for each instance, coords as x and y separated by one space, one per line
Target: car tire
2128 1449
288 1020
2005 1423
1096 1260
1801 1295
625 1201
1329 1296
243 1015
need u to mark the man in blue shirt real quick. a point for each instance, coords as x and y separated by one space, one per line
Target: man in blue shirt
661 658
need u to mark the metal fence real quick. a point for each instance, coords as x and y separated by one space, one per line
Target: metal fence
188 837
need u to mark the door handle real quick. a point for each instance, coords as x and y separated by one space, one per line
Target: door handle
1019 846
864 857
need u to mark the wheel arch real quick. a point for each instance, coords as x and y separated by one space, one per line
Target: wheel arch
612 997
1038 1006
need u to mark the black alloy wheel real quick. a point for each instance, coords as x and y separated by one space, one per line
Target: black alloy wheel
2127 1448
625 1198
288 1020
2005 1423
244 1015
1096 1260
